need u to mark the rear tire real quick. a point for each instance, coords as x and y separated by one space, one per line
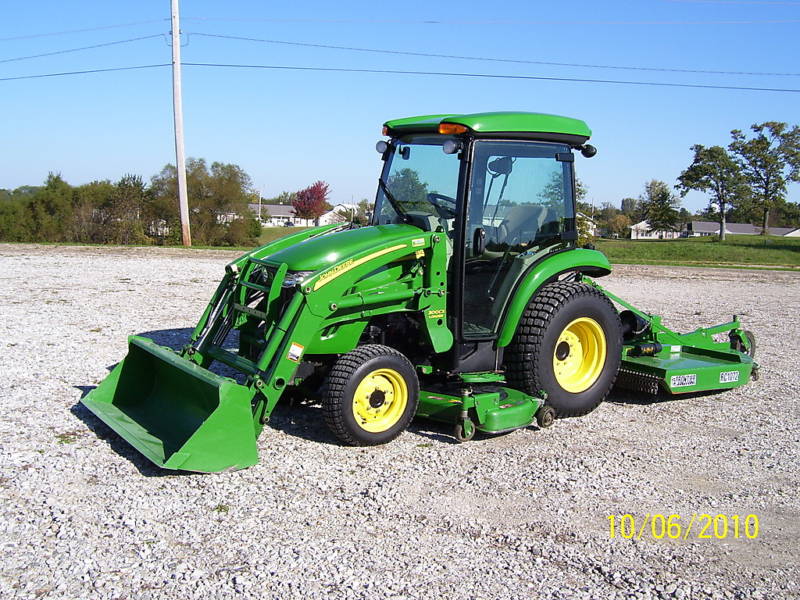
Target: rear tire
569 345
370 395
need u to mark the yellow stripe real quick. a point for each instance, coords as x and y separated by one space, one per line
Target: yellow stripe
352 264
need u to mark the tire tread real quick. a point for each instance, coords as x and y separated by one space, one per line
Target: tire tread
334 397
529 338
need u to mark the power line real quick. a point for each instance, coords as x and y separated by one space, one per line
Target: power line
493 76
84 72
756 2
65 32
433 73
483 58
488 22
68 50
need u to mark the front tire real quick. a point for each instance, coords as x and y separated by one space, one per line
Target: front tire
569 345
370 395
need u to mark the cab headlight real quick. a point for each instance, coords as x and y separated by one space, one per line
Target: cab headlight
295 278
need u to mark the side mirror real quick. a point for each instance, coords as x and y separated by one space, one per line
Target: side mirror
479 241
502 165
452 146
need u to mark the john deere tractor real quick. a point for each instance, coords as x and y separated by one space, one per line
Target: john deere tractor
466 300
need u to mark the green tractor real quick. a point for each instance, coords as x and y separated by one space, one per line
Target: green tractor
466 300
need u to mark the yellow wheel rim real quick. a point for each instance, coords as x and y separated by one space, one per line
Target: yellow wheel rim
579 355
380 400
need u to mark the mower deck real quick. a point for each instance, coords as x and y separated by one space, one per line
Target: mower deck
497 408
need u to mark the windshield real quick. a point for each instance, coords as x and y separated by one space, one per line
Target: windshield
419 180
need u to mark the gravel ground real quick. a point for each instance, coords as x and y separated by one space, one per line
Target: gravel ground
521 515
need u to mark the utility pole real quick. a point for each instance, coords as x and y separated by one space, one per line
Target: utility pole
177 109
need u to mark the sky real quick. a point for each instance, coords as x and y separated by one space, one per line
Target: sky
288 128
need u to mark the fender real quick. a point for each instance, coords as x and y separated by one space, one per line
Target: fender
591 262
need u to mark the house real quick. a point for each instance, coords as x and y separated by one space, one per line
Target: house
589 224
280 215
642 231
784 231
706 228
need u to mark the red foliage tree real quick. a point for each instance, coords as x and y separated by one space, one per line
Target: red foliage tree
312 202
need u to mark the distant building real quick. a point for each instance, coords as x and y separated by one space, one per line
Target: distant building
706 228
784 231
590 224
282 215
279 215
642 231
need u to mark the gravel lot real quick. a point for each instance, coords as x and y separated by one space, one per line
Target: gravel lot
521 515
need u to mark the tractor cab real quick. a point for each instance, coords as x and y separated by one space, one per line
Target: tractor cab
502 194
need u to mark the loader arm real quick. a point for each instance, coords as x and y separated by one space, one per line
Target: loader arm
323 313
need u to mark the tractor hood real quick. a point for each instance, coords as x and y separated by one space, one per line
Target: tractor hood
317 253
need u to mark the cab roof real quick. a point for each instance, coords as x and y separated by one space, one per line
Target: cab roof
524 125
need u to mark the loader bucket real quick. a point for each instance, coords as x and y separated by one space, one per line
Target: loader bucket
176 413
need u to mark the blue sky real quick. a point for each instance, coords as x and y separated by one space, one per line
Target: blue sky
290 128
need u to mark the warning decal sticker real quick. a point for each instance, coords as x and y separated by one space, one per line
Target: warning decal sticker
683 380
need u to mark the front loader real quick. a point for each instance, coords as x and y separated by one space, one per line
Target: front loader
466 300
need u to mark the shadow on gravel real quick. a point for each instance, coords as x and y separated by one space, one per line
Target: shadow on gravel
172 338
294 415
303 418
623 396
116 443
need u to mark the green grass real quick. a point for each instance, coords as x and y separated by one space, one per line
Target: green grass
738 251
735 251
269 234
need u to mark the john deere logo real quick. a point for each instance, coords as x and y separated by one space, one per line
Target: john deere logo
334 272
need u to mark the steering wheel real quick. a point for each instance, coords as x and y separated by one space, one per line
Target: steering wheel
438 200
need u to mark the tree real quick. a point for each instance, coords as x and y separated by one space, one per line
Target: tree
659 206
629 207
619 225
283 198
312 202
124 209
406 187
50 211
769 161
553 194
790 215
713 170
217 197
90 219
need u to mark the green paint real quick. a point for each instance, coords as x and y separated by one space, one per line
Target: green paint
177 414
313 292
687 362
495 123
496 411
577 259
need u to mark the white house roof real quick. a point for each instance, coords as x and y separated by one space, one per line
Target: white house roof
274 210
737 228
782 231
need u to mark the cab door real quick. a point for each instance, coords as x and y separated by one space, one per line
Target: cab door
519 201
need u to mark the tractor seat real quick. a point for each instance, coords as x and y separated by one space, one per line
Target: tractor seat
521 223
